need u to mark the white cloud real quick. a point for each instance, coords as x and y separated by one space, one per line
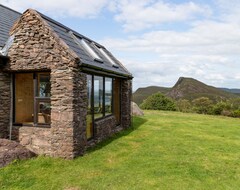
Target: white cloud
140 14
208 51
60 8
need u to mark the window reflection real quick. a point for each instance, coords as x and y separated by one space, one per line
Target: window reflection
108 96
98 96
44 85
44 112
89 129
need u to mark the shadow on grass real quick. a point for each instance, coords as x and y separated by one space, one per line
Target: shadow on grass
136 123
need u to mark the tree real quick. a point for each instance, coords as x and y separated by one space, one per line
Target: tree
202 105
158 101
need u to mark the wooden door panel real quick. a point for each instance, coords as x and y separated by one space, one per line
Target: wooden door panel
24 98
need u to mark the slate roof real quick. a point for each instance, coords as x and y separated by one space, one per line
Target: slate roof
7 19
86 59
70 37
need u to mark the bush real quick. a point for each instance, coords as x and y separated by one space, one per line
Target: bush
203 105
220 107
158 102
184 105
236 113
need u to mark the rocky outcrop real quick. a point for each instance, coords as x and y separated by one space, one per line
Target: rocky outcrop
11 150
136 111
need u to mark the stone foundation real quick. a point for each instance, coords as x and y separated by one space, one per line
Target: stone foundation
36 139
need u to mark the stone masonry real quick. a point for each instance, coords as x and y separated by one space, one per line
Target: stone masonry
5 103
37 48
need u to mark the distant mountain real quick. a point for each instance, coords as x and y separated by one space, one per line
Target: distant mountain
232 90
187 88
142 93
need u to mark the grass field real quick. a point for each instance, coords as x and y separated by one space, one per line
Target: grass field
165 150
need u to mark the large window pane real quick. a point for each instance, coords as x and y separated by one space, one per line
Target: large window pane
108 96
89 110
98 96
44 85
44 112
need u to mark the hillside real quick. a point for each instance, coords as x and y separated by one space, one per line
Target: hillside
142 93
189 88
232 90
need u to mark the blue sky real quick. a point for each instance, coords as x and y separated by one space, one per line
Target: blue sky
158 40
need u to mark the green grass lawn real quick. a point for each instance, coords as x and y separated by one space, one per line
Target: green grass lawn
165 150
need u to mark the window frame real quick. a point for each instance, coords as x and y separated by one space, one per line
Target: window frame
36 99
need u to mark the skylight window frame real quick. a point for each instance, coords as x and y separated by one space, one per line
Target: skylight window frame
105 54
90 50
86 47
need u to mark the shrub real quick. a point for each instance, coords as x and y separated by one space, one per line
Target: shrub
203 105
236 113
158 102
220 107
184 105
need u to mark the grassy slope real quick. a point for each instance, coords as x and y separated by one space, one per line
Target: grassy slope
142 93
166 150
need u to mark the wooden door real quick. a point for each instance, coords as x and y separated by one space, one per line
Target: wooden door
24 98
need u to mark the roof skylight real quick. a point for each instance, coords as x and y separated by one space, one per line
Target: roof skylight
4 50
90 50
81 42
108 57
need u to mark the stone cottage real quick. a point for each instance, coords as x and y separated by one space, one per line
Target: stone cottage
60 91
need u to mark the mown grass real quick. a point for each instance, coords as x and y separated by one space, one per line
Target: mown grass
165 150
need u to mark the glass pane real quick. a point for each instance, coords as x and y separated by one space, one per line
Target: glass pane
98 96
89 111
108 96
44 112
44 85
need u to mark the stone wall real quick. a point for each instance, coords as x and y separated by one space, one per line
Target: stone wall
36 139
126 93
37 48
104 128
5 102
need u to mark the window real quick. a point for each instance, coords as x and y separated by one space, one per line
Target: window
42 99
100 100
88 48
98 97
108 96
32 99
89 109
108 57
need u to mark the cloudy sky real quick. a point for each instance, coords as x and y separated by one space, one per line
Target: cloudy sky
158 40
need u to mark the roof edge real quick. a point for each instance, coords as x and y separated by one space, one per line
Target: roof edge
10 9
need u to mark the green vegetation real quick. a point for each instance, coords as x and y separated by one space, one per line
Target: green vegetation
166 150
188 89
158 102
142 93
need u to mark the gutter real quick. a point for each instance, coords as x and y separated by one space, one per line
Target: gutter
86 67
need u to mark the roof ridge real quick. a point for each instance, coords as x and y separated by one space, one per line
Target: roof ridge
1 5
